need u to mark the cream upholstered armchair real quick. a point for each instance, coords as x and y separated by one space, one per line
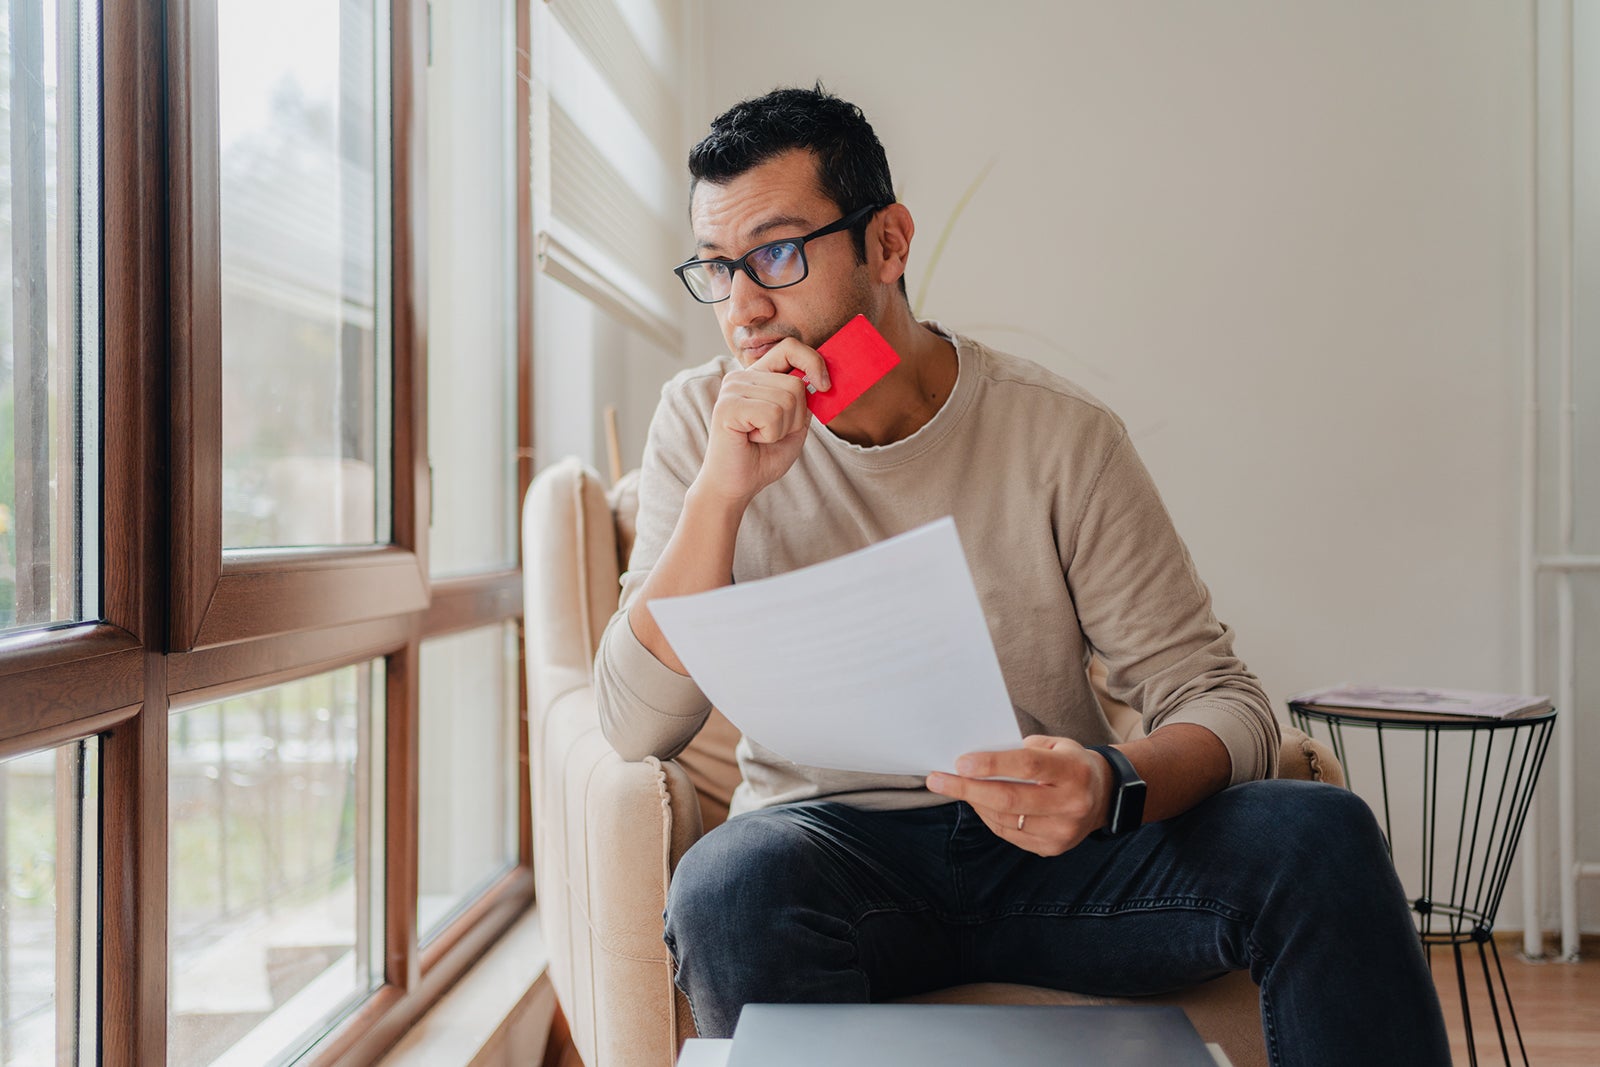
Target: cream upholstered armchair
608 833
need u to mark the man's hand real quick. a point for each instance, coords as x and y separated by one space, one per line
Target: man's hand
1065 797
757 428
759 423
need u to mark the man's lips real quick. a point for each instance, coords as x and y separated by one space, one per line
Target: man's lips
756 349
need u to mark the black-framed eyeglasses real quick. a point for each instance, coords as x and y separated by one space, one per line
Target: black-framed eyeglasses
774 265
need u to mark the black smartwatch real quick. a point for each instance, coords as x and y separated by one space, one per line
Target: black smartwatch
1127 794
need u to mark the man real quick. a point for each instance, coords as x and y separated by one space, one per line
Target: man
835 886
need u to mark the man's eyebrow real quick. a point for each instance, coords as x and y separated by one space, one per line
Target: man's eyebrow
767 226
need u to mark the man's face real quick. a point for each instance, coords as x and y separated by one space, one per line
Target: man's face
779 199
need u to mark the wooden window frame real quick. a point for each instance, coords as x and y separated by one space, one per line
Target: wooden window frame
219 599
180 621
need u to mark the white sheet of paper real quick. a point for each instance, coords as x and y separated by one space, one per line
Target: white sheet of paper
877 661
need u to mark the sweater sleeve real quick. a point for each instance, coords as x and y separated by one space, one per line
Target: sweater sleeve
1147 614
647 708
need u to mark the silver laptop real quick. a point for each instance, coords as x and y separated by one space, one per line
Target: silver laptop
964 1035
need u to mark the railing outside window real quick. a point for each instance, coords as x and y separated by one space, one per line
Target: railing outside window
49 526
49 358
48 966
276 907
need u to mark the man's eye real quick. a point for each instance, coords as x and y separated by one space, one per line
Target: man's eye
776 259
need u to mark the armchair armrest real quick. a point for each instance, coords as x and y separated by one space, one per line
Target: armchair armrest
606 833
1303 756
598 821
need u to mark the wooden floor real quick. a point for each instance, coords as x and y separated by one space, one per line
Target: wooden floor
1557 1005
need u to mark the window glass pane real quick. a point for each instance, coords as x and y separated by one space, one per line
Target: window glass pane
304 135
472 398
275 843
49 300
467 760
49 841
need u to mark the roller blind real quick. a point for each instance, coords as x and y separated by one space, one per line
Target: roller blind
608 196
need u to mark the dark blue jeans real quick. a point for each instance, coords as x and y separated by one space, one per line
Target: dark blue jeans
822 902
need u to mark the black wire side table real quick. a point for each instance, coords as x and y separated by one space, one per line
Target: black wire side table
1461 832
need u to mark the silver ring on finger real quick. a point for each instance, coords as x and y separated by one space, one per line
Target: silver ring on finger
1020 820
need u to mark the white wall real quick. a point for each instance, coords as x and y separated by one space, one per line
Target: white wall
1289 243
584 360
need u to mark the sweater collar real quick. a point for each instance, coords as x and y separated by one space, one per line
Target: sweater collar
933 431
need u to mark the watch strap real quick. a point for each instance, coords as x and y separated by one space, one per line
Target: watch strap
1127 794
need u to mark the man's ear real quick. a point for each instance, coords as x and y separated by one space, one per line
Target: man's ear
889 243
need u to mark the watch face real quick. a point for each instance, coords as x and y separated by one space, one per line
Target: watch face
1130 808
1127 795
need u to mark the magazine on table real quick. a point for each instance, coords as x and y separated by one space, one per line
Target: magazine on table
1425 701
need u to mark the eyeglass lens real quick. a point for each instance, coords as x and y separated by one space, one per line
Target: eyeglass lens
775 265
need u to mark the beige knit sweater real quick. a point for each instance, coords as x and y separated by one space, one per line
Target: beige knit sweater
1069 544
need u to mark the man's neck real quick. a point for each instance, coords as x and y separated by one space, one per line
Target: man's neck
907 397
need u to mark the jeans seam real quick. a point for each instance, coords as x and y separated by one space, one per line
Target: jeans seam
1269 1030
1127 907
855 962
958 883
672 962
862 913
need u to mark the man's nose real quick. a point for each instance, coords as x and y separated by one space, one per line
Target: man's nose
748 303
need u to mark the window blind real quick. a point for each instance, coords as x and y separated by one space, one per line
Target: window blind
608 196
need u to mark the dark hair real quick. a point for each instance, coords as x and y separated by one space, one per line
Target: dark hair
852 169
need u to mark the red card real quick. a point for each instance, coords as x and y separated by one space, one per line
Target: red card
857 356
